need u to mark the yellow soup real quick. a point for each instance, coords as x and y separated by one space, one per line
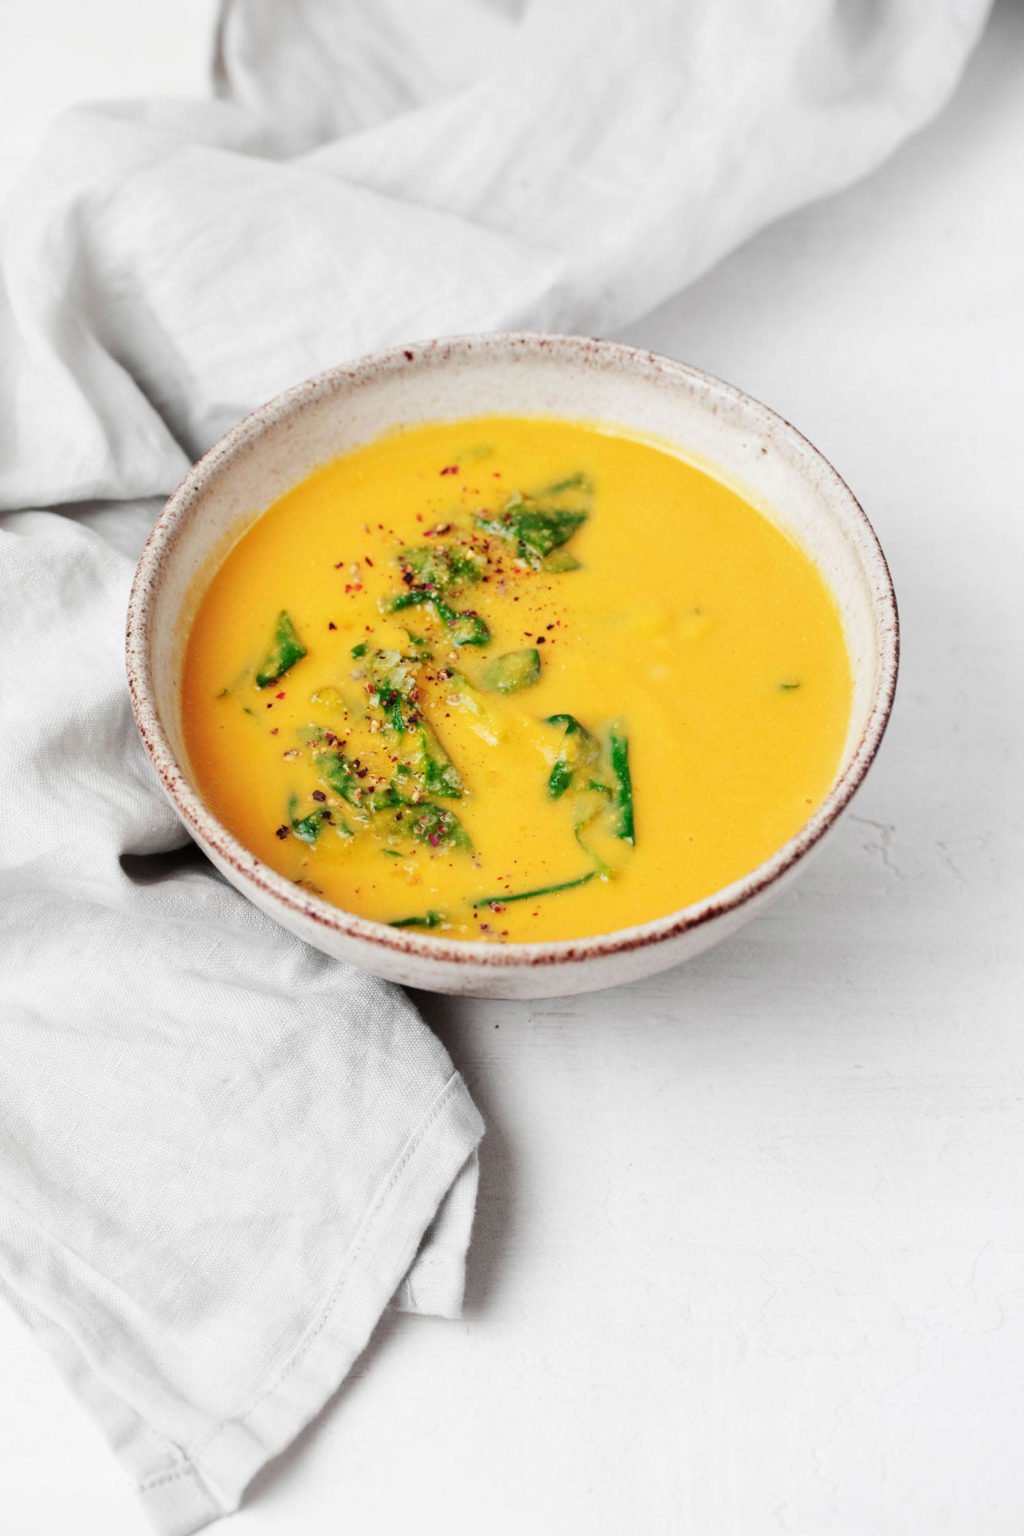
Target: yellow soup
512 680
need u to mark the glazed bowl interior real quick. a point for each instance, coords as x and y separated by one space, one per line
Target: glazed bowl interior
705 421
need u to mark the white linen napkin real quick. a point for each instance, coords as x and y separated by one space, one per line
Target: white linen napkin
220 1153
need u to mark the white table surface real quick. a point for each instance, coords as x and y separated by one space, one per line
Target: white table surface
750 1246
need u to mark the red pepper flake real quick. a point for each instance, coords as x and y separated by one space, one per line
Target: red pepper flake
278 695
338 564
282 832
495 474
273 730
319 795
369 562
353 586
450 469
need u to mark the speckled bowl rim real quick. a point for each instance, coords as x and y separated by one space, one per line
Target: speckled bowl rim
251 871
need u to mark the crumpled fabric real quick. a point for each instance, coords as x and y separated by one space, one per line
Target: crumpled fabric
222 1154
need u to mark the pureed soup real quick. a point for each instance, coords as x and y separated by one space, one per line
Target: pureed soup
514 679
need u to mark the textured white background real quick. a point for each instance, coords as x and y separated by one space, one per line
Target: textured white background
750 1248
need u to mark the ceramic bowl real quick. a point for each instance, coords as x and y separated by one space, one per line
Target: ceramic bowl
713 424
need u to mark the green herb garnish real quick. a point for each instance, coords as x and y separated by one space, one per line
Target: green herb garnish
466 628
512 671
542 890
582 750
436 825
427 920
559 779
440 567
307 828
558 562
618 744
440 775
535 531
284 652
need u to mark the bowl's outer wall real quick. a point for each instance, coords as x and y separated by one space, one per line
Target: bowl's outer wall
704 420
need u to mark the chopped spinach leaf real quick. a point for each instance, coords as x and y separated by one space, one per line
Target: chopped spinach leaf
559 779
285 650
440 567
558 562
427 920
393 681
466 628
618 745
542 890
511 671
307 828
342 776
581 751
440 775
535 531
436 825
569 722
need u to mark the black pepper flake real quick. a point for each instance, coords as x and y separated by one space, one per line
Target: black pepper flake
318 794
282 832
331 624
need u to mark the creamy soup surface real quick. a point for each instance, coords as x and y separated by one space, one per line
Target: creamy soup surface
514 679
